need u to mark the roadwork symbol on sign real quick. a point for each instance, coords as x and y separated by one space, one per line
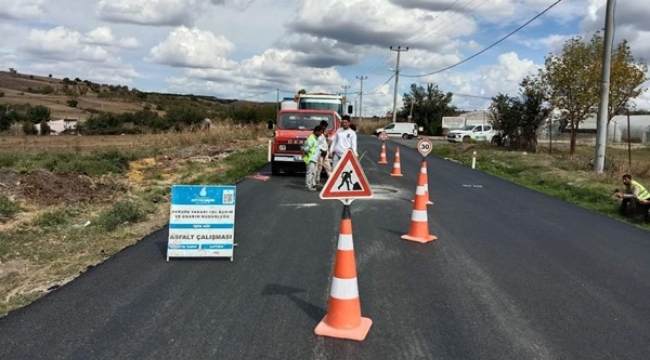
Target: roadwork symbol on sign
424 147
347 181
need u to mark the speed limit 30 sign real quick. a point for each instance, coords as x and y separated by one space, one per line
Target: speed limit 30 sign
424 147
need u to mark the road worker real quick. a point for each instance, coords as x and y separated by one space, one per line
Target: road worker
311 153
634 194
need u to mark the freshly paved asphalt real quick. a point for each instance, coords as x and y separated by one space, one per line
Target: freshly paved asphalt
514 274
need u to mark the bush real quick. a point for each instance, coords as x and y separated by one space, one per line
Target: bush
72 103
8 207
124 211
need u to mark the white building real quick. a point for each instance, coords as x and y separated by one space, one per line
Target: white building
59 126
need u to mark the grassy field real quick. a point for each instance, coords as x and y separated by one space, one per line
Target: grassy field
559 175
67 203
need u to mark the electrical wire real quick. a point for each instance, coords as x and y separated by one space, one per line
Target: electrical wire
487 48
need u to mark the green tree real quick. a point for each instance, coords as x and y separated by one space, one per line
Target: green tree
302 91
72 103
6 120
626 78
45 128
571 80
429 106
38 113
184 116
519 118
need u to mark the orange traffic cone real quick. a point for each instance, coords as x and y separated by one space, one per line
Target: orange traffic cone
382 156
397 167
419 229
343 319
423 181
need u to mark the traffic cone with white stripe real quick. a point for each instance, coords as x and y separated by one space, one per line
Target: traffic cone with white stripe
343 319
423 181
397 166
382 156
419 229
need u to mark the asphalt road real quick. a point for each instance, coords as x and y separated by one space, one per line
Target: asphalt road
514 274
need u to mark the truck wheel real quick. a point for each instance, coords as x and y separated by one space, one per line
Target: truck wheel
405 136
275 168
465 139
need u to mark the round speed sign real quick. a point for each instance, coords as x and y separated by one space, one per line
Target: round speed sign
383 136
424 147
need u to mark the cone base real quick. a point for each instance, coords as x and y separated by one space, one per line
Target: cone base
420 240
396 175
359 333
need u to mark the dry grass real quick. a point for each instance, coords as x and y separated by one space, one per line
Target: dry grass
43 247
220 133
368 126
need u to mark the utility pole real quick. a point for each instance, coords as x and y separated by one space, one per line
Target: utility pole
399 50
356 109
361 94
345 96
601 132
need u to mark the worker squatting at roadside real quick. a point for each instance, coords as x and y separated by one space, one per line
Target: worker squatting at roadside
633 195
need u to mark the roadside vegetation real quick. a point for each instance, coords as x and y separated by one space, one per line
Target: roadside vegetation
559 174
67 208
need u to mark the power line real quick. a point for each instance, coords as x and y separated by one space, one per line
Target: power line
489 47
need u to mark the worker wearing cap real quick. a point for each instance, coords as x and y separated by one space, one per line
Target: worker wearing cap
633 191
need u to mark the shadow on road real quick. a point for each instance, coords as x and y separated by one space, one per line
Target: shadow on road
314 312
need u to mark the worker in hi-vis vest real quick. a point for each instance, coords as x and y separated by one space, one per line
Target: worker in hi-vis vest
310 157
633 191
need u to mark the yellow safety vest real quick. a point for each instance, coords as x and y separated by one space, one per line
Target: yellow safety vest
643 193
313 143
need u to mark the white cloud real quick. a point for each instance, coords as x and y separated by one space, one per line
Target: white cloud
487 80
270 70
239 48
21 9
193 48
160 12
104 36
61 43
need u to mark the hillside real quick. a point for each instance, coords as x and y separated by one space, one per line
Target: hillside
91 97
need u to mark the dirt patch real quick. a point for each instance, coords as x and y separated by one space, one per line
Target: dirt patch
46 188
8 267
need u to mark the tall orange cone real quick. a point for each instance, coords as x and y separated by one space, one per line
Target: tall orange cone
382 156
423 181
343 319
419 229
397 166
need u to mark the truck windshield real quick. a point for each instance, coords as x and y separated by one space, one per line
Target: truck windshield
468 127
291 121
321 104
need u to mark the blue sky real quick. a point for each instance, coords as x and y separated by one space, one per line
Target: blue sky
242 48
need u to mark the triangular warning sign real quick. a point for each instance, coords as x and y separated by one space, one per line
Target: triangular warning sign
347 181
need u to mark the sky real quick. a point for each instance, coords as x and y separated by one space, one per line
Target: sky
253 49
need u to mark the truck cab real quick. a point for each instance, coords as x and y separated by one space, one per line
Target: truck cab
291 129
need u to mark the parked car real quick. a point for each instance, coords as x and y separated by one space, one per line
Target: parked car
481 132
405 130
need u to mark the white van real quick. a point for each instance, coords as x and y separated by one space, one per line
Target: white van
405 130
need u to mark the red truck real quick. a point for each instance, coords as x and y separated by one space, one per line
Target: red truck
292 128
